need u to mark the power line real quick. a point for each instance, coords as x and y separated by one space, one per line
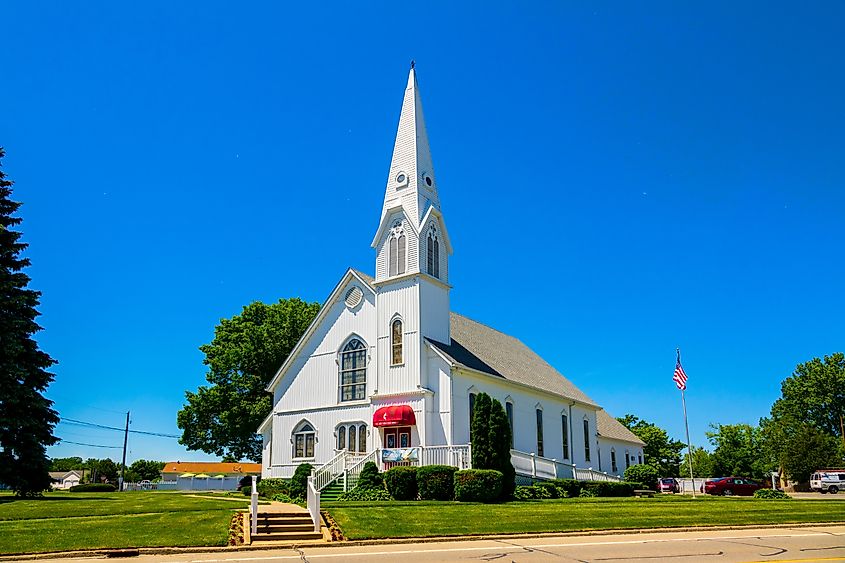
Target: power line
89 445
93 425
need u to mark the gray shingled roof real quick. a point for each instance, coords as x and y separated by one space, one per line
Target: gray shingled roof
481 348
364 276
609 427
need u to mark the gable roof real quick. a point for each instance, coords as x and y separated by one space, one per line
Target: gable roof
62 475
210 467
480 348
609 427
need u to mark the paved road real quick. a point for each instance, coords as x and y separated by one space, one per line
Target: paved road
814 544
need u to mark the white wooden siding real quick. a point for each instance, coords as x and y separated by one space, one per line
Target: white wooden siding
399 298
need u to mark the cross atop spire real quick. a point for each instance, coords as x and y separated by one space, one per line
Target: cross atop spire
410 182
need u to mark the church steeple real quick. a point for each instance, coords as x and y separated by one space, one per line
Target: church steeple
411 182
411 237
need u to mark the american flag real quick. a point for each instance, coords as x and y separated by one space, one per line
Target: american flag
680 377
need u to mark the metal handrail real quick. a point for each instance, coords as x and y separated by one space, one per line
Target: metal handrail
354 472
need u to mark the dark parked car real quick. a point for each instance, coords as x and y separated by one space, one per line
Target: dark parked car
668 485
728 486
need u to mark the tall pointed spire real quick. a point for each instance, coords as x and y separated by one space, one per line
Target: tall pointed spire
411 182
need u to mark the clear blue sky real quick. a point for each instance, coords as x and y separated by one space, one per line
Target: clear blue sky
618 180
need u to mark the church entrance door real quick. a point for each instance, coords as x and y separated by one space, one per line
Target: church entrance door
397 437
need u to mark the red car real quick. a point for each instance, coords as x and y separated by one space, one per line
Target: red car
668 485
729 486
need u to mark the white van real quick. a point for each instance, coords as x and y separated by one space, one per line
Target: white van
828 481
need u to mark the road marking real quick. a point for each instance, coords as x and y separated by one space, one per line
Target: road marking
317 555
801 560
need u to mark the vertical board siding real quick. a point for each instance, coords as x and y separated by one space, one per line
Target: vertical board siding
400 298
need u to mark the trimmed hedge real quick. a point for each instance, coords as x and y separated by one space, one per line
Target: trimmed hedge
93 488
436 482
268 488
570 488
247 491
531 492
478 485
401 482
771 494
365 495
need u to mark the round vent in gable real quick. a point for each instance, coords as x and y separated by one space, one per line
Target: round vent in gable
353 297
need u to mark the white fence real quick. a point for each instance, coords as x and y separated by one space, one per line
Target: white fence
536 467
187 484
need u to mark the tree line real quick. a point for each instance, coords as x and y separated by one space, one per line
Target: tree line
106 470
803 432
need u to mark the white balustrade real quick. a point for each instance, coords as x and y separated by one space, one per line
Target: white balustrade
313 503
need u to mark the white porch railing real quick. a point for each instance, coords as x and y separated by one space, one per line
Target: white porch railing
537 467
354 471
327 473
313 502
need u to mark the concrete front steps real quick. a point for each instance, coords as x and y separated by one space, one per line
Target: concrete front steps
285 526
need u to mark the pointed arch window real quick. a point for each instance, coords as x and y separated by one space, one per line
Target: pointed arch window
396 251
509 414
396 342
540 432
303 439
613 461
586 440
433 254
353 371
564 427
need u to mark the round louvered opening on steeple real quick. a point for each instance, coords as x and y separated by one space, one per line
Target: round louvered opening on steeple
353 297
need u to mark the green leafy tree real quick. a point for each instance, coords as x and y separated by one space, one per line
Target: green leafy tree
26 417
102 470
144 470
815 394
660 451
738 451
479 433
702 464
643 473
246 352
65 463
811 407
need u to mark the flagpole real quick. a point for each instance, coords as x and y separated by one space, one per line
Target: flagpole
686 426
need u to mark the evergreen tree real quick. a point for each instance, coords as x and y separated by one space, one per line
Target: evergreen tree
500 452
26 417
479 433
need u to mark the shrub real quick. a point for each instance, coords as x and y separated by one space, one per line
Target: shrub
93 488
532 492
268 488
247 491
771 494
571 487
478 485
365 495
370 478
299 482
550 488
436 482
609 488
282 497
586 493
401 482
645 474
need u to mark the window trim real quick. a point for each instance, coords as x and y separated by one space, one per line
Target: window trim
538 413
587 439
300 431
509 415
564 426
394 344
364 349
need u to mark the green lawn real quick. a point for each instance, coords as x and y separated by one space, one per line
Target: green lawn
67 521
421 519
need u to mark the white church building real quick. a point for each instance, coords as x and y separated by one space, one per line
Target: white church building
386 372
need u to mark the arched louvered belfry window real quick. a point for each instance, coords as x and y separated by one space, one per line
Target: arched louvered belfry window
353 371
400 254
396 342
433 254
396 251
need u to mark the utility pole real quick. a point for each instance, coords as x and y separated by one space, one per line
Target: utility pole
123 463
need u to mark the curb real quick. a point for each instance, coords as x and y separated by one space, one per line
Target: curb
389 541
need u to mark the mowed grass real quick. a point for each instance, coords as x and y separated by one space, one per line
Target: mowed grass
63 521
426 519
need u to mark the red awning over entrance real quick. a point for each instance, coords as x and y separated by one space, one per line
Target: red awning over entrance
397 415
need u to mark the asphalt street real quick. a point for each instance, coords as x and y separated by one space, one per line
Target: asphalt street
800 544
